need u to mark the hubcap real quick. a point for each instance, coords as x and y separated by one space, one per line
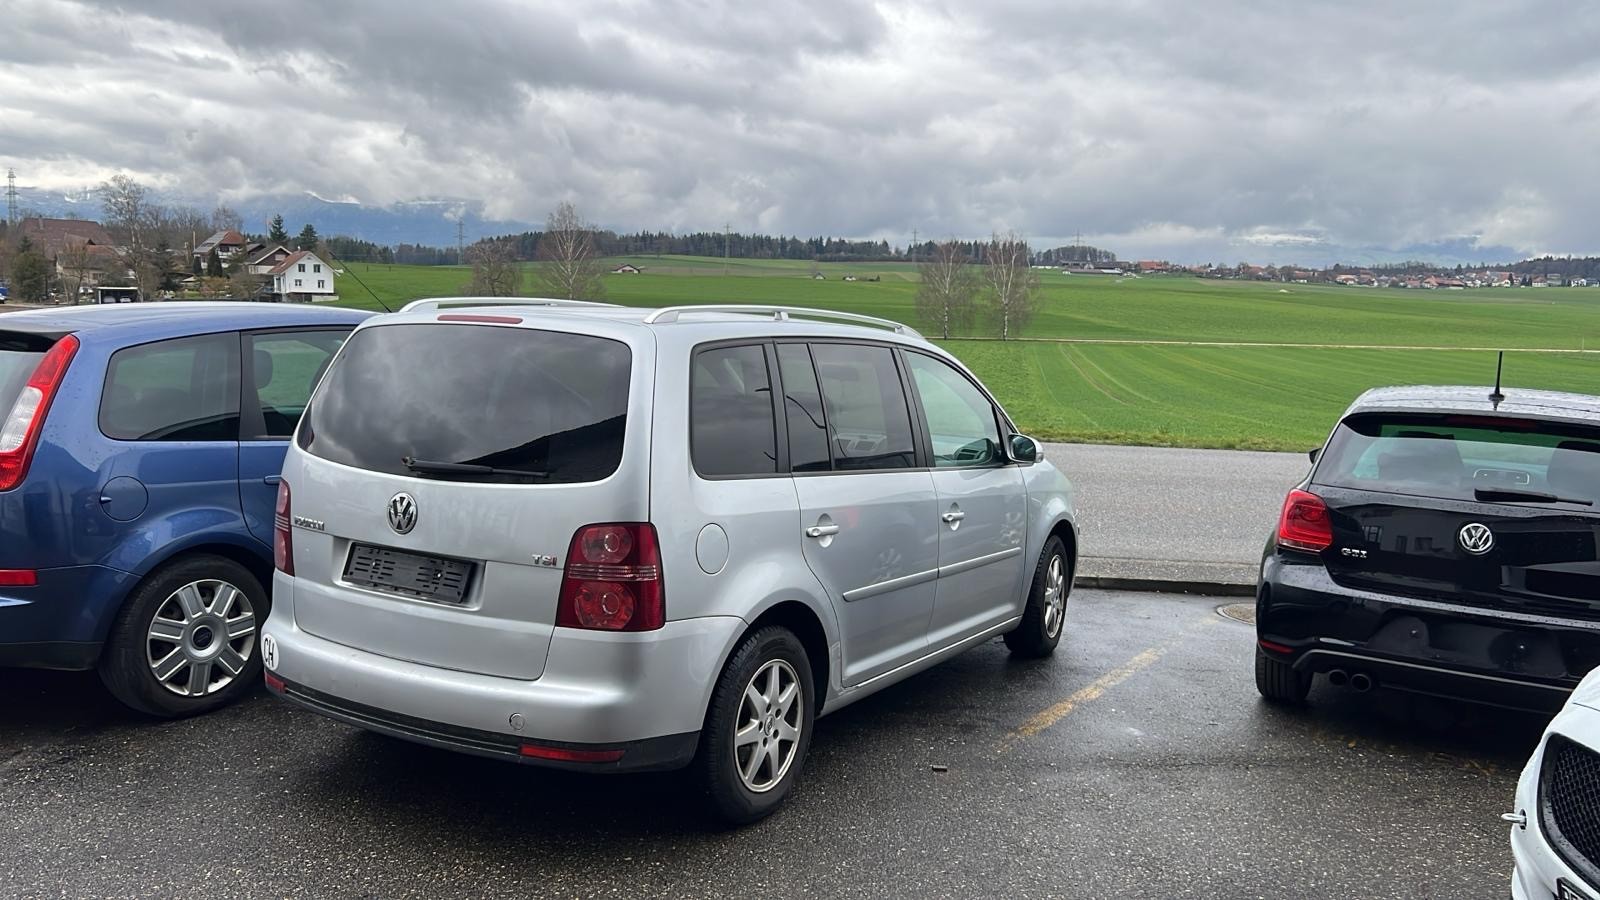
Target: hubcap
767 735
200 638
1055 596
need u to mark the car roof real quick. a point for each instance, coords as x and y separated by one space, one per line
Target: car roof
156 320
689 325
1475 400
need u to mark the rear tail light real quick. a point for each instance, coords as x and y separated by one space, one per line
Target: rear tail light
1304 524
282 534
19 437
612 580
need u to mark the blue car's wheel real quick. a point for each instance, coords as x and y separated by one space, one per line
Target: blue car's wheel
185 641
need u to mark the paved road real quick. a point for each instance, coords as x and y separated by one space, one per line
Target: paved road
1184 515
1136 763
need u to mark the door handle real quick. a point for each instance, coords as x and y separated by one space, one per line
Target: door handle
819 531
271 479
953 517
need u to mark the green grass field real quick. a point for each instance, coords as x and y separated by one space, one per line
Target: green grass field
1274 398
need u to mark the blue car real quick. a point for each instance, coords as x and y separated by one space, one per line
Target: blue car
139 463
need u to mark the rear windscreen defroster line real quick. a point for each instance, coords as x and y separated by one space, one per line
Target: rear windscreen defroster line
473 403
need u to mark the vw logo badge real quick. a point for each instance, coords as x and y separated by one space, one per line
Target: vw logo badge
403 513
1476 539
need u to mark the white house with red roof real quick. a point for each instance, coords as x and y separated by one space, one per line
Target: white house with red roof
302 277
228 243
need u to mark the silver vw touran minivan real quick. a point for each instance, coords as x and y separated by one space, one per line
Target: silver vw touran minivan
617 539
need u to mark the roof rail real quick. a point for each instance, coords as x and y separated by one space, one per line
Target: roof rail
454 302
779 314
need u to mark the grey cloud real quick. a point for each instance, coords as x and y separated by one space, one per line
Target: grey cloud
1170 128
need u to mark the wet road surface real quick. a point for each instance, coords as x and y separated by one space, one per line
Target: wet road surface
1138 762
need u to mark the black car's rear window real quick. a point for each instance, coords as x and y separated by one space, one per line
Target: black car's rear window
20 353
538 407
1465 458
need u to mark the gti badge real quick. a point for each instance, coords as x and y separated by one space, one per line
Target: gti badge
402 513
1476 538
1352 553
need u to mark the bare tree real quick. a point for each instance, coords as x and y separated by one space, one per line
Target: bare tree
73 263
1013 286
569 265
945 299
127 209
224 217
495 270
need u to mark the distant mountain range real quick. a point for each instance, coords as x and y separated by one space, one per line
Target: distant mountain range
429 222
433 223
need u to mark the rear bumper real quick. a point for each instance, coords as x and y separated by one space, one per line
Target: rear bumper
61 622
673 751
597 690
1507 658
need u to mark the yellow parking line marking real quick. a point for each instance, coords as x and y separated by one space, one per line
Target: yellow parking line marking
1090 692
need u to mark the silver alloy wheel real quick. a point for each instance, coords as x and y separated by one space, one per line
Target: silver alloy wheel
767 735
201 637
1055 596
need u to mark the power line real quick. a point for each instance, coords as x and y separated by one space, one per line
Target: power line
461 240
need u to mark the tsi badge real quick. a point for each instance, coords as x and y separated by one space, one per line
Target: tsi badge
269 652
1476 538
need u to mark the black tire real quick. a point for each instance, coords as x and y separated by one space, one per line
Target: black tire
1033 637
1279 682
126 666
718 761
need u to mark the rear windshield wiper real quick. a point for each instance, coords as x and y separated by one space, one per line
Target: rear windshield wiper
1502 495
441 467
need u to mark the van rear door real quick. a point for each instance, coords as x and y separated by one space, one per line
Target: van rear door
446 468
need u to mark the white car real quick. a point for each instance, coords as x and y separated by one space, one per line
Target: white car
1555 831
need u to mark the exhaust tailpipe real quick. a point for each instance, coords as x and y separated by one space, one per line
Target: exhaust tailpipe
1338 677
1361 682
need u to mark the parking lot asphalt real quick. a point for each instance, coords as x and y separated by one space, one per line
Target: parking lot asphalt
1176 515
1138 762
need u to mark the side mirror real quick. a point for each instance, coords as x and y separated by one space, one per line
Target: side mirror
1024 449
1315 454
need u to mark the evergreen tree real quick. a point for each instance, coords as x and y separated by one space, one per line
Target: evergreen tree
307 239
276 233
198 268
30 274
213 264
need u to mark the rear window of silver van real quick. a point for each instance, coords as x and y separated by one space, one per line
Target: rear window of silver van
473 403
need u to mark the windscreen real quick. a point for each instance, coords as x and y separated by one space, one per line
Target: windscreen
19 356
1487 459
473 403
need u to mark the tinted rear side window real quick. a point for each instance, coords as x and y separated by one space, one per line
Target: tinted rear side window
802 402
867 411
180 390
731 425
19 356
1465 458
538 407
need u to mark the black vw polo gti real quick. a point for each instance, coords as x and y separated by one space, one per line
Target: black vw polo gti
1443 542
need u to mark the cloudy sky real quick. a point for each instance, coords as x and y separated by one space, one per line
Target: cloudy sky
1215 131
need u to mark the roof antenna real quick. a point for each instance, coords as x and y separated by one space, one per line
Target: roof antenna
351 271
1497 397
